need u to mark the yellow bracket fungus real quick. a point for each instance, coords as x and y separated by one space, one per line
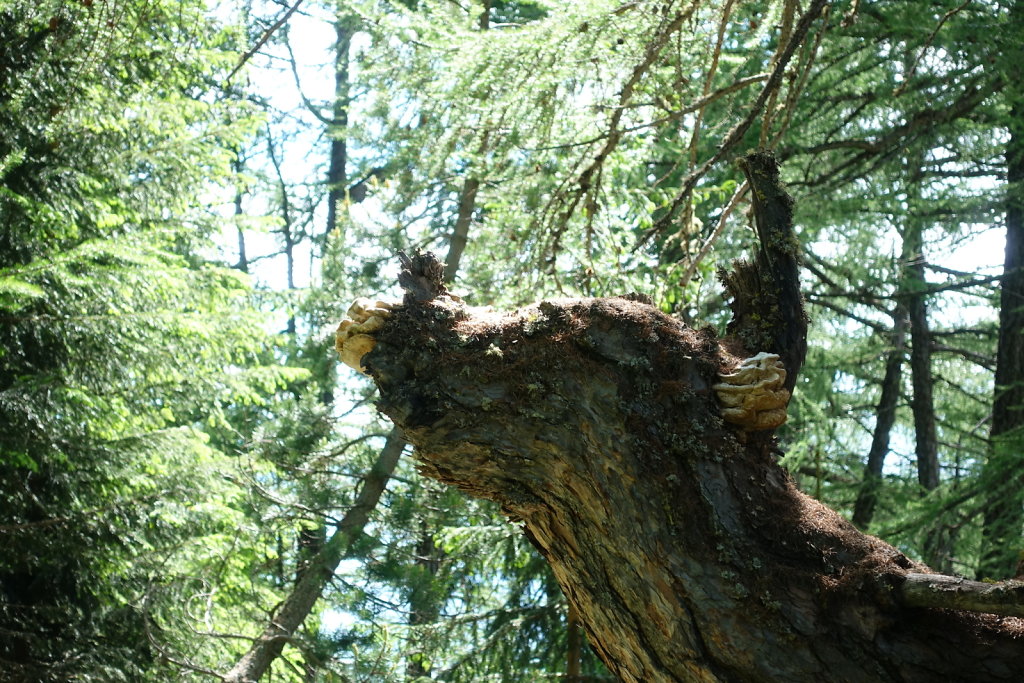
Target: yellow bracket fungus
354 338
753 397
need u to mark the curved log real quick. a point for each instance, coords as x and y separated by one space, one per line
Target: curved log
686 550
951 592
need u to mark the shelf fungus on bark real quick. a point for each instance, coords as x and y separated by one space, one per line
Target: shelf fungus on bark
354 338
753 396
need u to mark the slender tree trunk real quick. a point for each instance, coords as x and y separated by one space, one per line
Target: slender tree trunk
460 235
485 15
337 167
885 417
687 551
938 544
467 198
337 172
1004 515
574 656
290 614
424 607
922 404
286 225
243 260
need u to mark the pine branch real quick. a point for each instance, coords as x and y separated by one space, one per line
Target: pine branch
736 134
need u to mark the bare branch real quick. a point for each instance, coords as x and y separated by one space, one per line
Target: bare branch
310 106
263 39
951 592
973 96
691 268
927 44
696 105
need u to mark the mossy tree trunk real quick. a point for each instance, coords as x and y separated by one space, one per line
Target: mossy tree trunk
686 550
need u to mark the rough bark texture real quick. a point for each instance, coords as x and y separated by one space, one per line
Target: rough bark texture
936 590
913 294
766 303
686 550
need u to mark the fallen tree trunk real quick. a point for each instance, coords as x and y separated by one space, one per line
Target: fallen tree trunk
685 549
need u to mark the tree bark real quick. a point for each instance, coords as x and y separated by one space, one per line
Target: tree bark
922 404
485 16
913 293
243 260
944 592
460 234
338 128
686 550
913 278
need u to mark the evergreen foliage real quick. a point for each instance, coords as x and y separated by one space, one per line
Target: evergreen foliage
123 349
171 469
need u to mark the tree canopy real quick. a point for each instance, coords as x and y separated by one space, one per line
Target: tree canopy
192 194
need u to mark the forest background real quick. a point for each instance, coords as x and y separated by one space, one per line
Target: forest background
191 194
